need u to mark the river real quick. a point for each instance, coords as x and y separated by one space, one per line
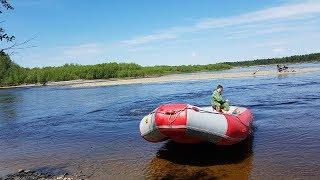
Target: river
94 132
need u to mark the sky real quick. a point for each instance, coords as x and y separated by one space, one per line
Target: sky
163 32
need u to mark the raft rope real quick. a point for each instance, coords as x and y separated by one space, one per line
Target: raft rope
242 122
239 120
177 113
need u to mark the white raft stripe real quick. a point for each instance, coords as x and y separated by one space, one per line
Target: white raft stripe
191 128
200 130
215 134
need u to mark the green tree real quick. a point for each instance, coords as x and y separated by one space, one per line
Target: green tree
5 64
5 5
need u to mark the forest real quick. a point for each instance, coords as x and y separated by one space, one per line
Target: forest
12 74
290 59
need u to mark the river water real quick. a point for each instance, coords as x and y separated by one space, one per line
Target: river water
94 132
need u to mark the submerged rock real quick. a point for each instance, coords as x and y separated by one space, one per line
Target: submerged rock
33 175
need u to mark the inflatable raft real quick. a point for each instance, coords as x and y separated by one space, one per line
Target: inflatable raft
185 123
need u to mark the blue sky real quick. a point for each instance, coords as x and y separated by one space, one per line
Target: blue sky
168 32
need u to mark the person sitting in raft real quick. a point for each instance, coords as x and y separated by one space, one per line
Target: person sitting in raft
218 103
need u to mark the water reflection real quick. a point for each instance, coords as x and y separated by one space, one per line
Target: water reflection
8 115
7 106
205 161
282 75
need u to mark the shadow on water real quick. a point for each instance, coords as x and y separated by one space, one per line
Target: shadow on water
201 161
205 154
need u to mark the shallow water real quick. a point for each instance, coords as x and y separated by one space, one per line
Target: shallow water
94 133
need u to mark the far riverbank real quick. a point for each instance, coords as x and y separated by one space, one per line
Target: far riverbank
172 78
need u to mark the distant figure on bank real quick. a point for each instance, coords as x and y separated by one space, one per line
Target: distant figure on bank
255 72
282 68
279 68
218 103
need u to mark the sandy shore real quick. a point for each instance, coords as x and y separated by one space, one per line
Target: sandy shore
170 78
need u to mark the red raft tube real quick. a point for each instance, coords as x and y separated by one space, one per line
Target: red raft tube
184 123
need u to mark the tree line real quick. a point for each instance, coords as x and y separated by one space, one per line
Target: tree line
290 59
12 74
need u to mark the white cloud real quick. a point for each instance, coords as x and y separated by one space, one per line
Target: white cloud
271 43
80 54
149 38
279 50
287 12
83 50
246 31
